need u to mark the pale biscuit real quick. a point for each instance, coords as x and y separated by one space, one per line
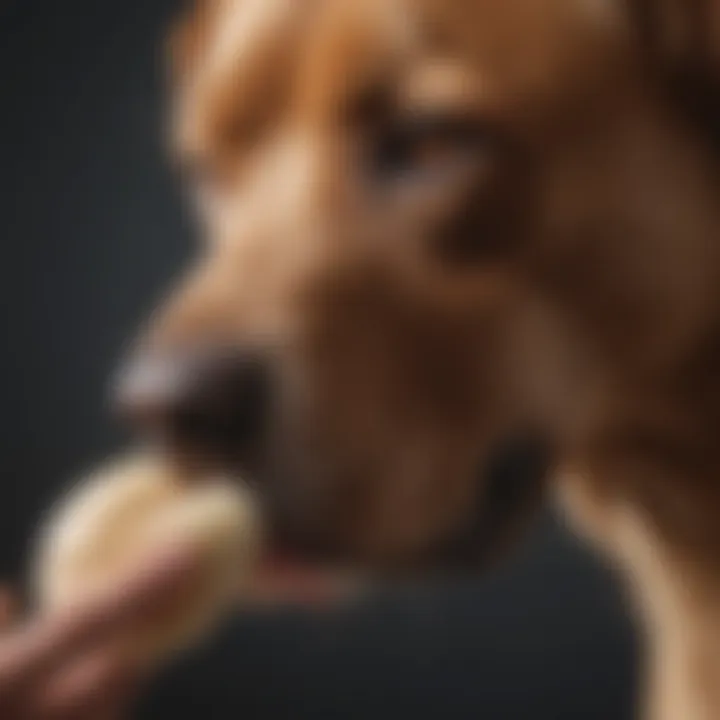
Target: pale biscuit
110 523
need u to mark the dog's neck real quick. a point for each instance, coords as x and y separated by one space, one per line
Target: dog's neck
664 536
679 598
674 591
684 679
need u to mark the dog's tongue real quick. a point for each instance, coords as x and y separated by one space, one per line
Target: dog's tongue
283 578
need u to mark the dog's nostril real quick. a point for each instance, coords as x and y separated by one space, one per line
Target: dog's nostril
212 401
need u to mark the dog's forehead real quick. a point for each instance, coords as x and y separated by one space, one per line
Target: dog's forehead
247 54
242 27
239 31
254 48
244 34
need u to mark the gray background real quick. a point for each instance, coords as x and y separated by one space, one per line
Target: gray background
91 231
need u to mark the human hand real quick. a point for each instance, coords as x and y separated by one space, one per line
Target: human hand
68 665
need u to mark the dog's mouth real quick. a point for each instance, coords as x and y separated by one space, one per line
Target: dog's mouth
297 568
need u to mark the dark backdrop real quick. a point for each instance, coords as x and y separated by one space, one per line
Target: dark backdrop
91 230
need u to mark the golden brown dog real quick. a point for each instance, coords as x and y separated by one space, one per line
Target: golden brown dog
435 224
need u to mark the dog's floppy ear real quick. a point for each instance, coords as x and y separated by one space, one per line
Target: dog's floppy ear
682 41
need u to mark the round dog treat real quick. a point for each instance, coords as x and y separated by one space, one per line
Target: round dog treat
109 524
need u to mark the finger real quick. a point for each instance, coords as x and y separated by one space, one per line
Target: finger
8 607
117 694
35 649
113 701
94 687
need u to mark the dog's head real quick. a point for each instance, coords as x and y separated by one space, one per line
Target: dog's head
431 226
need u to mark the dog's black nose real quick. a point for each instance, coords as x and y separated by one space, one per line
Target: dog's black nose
210 401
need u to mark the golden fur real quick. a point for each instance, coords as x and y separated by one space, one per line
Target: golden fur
559 269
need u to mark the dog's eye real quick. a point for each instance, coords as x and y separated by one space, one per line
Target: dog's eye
427 147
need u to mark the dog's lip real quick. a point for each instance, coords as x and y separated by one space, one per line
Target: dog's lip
291 572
